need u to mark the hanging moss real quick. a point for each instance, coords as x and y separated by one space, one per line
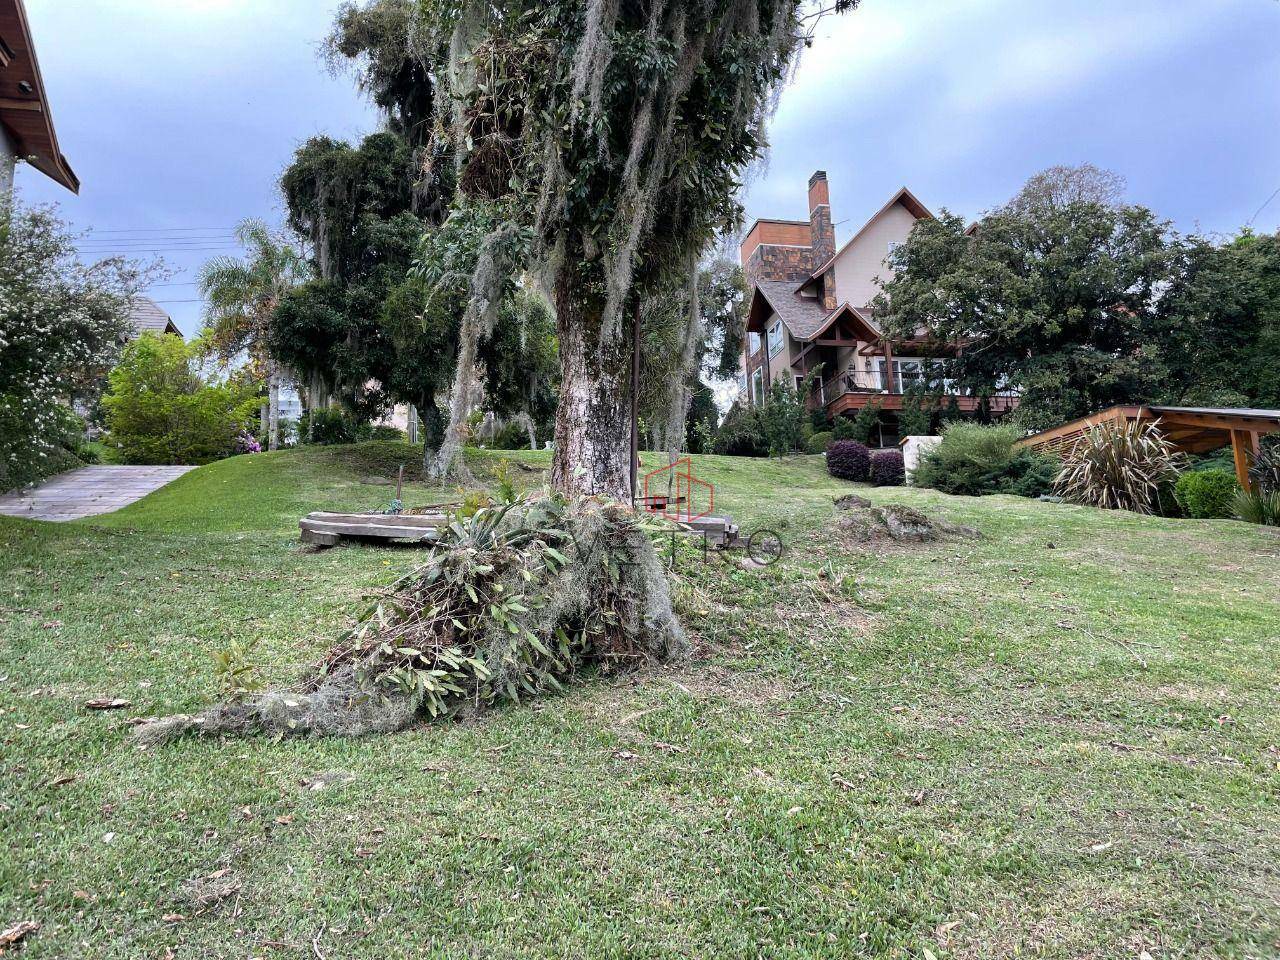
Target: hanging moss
618 133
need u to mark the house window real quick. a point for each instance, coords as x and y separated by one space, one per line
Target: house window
912 371
753 344
775 338
757 386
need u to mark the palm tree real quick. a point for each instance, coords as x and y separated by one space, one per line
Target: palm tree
241 295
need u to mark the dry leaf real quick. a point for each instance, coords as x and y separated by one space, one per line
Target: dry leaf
17 933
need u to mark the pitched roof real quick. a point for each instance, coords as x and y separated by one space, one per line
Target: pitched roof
145 315
903 196
861 316
802 316
24 108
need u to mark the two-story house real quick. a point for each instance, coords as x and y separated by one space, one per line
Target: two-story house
809 305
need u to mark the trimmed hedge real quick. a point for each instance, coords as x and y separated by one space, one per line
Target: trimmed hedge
819 442
887 468
976 460
1207 494
848 460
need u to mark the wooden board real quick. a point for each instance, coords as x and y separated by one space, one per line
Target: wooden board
327 529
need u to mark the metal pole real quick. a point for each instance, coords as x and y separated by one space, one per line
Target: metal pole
635 403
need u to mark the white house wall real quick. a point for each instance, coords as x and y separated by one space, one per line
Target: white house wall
858 266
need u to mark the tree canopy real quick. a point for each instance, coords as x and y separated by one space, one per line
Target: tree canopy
1058 298
614 135
1220 323
240 297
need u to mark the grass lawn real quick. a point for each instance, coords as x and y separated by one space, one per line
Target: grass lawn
1062 740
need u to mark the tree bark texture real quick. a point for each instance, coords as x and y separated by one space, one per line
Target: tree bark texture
593 420
273 406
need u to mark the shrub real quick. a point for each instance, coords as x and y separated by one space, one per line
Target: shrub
865 422
327 426
887 468
916 418
849 460
1207 494
741 435
1029 474
160 410
819 442
843 429
385 431
513 435
783 417
1265 472
976 460
1119 467
1259 506
62 320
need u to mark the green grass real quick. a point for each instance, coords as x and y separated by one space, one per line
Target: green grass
1061 740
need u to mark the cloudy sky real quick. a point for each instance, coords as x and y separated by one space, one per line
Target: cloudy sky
180 125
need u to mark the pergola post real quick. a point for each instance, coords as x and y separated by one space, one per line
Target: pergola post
1245 447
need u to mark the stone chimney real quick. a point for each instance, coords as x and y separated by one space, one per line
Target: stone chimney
822 231
822 235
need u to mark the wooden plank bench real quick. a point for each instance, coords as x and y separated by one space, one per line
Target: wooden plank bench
327 529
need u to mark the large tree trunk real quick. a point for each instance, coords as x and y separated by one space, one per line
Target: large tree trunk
593 420
430 427
273 406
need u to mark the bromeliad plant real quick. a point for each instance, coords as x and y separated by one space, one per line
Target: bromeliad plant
1119 467
514 601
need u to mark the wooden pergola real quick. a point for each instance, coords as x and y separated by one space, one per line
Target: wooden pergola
1190 429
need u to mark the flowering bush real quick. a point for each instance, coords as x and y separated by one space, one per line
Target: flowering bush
61 327
848 460
246 443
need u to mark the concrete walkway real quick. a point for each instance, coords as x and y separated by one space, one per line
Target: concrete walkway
88 492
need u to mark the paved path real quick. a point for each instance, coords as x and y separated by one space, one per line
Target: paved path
88 492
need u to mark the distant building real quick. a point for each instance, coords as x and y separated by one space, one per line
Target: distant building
146 316
26 123
810 304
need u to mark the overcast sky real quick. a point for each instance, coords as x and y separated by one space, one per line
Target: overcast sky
178 115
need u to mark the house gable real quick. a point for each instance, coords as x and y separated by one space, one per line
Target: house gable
857 265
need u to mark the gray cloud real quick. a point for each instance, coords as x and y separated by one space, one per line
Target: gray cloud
182 113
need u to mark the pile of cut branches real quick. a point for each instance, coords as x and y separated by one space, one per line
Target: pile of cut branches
513 601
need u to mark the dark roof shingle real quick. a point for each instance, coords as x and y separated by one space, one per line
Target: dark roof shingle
803 316
145 314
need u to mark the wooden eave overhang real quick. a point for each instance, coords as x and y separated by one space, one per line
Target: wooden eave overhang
1189 429
24 107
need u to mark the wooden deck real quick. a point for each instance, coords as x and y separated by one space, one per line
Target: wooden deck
853 401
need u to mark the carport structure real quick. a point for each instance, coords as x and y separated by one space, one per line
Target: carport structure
1190 429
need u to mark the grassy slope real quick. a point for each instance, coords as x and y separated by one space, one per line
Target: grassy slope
983 749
